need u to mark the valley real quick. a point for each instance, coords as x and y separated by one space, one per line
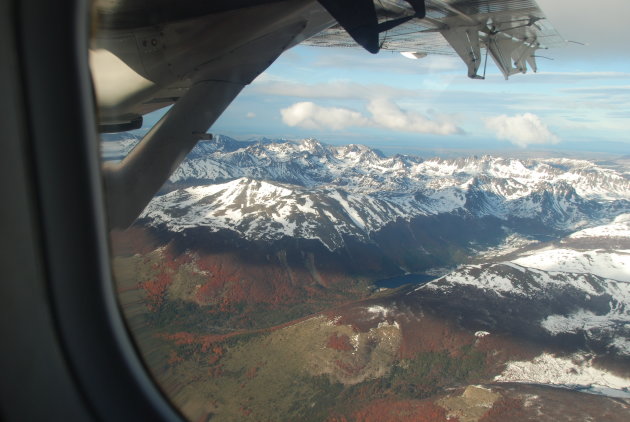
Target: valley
252 286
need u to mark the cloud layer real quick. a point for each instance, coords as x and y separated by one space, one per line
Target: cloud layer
388 115
311 116
384 114
521 129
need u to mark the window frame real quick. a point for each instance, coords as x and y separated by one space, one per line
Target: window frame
70 355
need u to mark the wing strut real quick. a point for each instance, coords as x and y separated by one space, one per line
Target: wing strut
133 182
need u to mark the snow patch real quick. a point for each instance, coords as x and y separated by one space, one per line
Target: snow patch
622 345
594 325
620 227
607 264
575 372
379 310
333 322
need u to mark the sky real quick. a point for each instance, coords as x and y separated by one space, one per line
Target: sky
579 101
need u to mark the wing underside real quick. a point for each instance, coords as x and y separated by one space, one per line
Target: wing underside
509 31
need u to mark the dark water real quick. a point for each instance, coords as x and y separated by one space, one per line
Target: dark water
401 280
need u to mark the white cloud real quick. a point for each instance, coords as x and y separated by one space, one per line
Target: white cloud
384 114
250 115
311 116
521 129
387 114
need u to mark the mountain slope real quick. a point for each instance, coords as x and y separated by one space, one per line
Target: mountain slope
569 290
269 190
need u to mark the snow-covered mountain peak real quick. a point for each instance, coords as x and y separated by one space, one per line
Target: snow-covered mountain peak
312 145
357 190
309 162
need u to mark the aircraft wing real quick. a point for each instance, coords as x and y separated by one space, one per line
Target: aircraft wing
198 55
509 31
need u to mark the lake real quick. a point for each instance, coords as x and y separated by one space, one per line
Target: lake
401 280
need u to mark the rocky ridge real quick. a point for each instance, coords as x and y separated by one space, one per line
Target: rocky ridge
267 190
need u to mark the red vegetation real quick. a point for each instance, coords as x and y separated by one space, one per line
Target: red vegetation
436 335
156 290
397 411
232 281
505 409
339 342
204 347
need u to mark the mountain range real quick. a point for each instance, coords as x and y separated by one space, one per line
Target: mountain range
255 267
267 190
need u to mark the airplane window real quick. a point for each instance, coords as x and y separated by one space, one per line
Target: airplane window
304 230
